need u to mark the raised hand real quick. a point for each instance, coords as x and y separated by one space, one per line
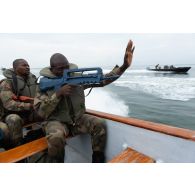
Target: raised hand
128 54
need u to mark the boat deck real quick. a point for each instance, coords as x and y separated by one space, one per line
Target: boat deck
131 156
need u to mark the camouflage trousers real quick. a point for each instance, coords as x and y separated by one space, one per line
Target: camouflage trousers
12 128
57 132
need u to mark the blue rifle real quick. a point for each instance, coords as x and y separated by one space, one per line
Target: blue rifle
79 76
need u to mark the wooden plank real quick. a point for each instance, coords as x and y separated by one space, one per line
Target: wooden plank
131 156
161 128
23 151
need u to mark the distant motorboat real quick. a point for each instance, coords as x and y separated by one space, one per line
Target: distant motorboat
171 68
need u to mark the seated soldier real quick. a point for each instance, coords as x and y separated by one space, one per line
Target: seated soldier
17 93
64 110
166 67
172 67
156 66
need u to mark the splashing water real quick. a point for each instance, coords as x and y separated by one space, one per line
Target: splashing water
102 100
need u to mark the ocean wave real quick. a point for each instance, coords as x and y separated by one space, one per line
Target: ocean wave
163 87
131 71
105 101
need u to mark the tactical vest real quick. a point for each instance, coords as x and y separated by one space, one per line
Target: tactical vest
24 88
19 86
70 108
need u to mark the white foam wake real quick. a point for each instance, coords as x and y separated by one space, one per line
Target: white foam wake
102 100
182 89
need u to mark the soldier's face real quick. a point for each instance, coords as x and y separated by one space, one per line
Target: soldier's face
22 68
58 69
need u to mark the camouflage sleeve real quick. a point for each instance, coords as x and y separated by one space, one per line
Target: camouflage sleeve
45 103
6 96
113 72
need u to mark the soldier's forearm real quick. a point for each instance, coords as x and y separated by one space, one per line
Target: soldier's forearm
17 106
121 70
45 106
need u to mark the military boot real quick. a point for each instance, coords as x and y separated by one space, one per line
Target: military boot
98 157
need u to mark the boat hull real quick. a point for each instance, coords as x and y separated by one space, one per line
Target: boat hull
174 70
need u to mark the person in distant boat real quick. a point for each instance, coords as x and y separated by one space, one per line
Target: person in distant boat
156 67
17 91
172 67
166 67
64 110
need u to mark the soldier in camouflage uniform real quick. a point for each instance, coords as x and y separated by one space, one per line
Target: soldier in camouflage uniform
64 110
16 101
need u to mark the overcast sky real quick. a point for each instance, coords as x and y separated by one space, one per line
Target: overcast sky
98 49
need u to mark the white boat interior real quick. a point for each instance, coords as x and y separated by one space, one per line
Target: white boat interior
159 146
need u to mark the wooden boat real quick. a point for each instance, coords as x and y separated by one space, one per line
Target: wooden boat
129 140
170 69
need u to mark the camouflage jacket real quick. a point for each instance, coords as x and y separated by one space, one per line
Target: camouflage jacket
64 109
49 107
7 102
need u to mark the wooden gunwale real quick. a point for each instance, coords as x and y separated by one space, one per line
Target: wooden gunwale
161 128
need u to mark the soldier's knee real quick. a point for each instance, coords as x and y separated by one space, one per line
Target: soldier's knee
101 126
15 123
14 120
56 128
57 138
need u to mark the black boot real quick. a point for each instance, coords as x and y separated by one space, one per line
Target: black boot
98 157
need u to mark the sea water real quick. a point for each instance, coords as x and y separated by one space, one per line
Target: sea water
160 97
